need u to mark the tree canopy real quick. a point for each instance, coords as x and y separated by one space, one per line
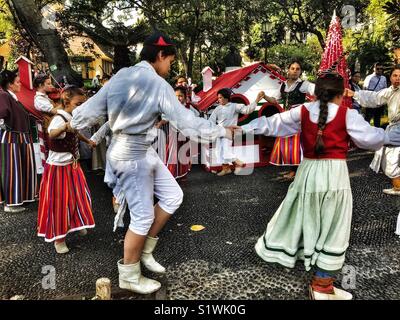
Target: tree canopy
205 31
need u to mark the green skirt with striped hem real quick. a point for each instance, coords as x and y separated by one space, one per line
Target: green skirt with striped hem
313 222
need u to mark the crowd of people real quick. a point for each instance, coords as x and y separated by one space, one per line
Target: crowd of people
147 124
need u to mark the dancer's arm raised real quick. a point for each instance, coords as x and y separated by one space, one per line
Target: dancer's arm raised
279 125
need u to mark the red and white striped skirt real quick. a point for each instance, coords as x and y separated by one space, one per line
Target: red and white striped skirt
65 204
44 151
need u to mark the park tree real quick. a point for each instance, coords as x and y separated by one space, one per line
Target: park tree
29 18
392 8
307 16
368 41
112 24
203 30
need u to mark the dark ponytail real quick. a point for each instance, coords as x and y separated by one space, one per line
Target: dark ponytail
328 86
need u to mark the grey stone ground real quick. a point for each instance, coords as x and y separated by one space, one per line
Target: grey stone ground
218 262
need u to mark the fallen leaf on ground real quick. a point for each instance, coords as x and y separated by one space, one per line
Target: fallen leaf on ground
197 227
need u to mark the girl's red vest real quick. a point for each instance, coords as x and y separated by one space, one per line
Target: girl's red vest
335 136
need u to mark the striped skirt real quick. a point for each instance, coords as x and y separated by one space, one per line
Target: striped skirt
65 204
287 151
44 151
18 168
178 161
174 151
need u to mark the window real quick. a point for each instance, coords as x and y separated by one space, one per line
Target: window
107 67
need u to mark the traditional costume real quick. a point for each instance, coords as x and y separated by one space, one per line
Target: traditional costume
226 116
287 151
174 148
65 205
17 157
388 157
133 100
313 222
43 104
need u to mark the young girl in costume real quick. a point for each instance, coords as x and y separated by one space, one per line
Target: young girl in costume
174 148
42 102
227 114
65 205
314 220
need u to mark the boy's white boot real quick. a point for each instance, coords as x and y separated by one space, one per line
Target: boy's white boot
130 278
147 256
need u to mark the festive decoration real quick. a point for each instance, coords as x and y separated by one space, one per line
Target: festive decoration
334 58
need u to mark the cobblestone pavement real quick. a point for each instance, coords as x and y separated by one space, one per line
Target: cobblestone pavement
218 262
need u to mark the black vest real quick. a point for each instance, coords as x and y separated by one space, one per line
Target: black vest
294 97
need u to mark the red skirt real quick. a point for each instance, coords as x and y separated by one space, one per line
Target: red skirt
64 204
174 151
178 160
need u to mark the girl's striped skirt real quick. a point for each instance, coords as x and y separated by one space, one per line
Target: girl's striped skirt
174 151
65 204
18 168
287 151
178 151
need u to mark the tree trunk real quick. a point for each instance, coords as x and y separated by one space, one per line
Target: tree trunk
320 37
47 40
121 58
182 53
191 57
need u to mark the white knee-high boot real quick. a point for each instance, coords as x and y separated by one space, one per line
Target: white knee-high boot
130 278
147 256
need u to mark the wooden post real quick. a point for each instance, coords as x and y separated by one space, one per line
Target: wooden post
103 289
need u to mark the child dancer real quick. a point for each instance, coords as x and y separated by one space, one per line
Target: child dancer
133 100
313 222
226 114
65 205
175 148
42 103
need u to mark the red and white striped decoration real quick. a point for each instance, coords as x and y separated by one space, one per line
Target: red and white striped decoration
334 52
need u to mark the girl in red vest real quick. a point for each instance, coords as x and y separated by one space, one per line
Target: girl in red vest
64 205
313 222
